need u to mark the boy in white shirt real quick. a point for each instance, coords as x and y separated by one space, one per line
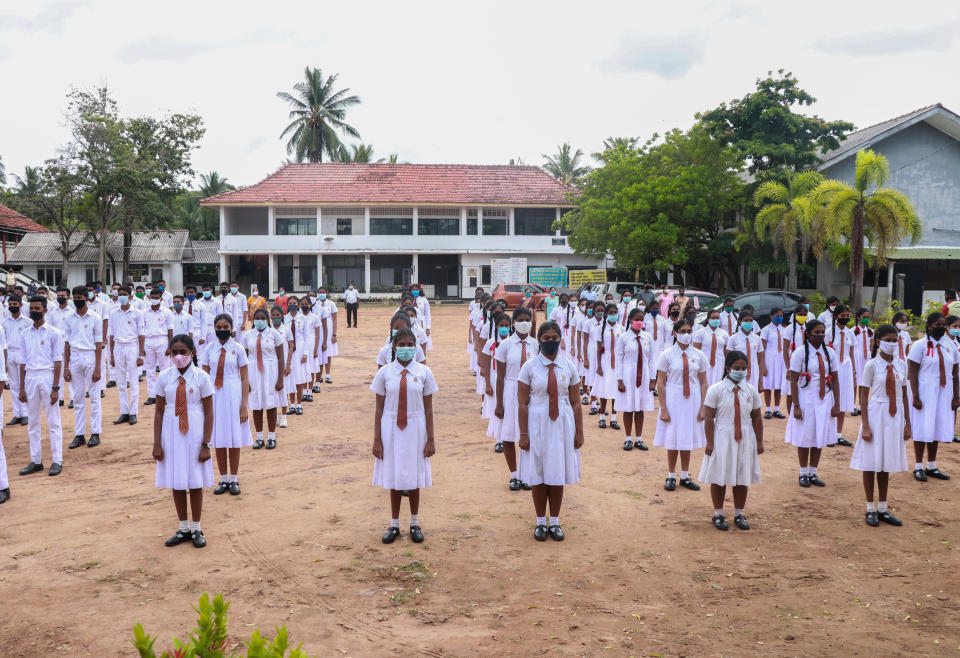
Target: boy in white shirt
126 355
82 360
183 322
13 326
158 334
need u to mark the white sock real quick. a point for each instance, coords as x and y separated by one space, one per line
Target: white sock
871 506
684 475
233 477
813 470
931 465
718 512
225 478
272 436
918 466
195 526
672 475
283 416
394 523
769 410
613 415
839 434
603 416
184 526
541 520
737 512
414 519
514 475
554 520
259 436
882 506
804 470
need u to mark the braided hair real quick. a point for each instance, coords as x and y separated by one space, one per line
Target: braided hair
401 333
808 328
882 331
793 325
603 325
840 308
932 319
857 330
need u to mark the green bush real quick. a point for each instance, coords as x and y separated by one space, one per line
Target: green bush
209 639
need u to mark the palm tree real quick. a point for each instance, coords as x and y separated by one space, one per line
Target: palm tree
516 162
205 222
317 113
357 153
864 210
213 183
619 145
29 185
565 166
784 216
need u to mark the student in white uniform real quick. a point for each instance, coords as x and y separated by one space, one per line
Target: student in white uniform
332 349
635 378
126 355
13 326
415 326
514 351
298 374
165 295
595 311
82 359
840 338
826 317
863 341
42 348
57 318
502 327
901 322
211 308
581 333
276 321
605 382
423 305
313 337
814 394
4 480
885 423
386 355
932 372
793 337
182 429
403 439
774 365
565 317
734 431
712 341
195 310
226 363
729 316
157 332
682 384
483 332
264 347
746 341
551 429
624 306
659 328
235 305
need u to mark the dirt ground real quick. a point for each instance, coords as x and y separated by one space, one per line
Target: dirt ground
642 571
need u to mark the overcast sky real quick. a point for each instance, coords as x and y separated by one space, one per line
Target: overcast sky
452 82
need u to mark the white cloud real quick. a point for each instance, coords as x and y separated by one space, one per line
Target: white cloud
894 41
669 57
51 18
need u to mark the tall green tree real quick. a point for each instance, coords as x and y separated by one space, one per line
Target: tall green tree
29 185
203 223
565 165
864 210
767 130
318 112
616 145
784 216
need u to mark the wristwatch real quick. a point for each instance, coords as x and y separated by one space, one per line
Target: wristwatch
54 388
205 445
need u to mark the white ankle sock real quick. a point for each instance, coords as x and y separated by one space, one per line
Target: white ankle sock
684 475
232 477
514 475
554 520
195 526
394 523
931 465
541 520
812 470
672 475
184 526
882 506
769 410
414 519
259 436
918 466
613 416
272 436
737 512
225 477
718 512
871 506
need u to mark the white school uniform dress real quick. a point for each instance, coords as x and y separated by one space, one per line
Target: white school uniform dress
684 431
751 345
903 348
634 354
818 427
565 319
887 451
263 383
471 351
582 328
794 333
486 330
321 317
331 311
728 322
935 421
385 355
489 401
167 298
126 327
605 385
235 306
551 459
661 331
288 386
623 310
712 343
733 463
772 336
509 355
181 467
862 349
841 340
590 373
228 431
403 465
299 371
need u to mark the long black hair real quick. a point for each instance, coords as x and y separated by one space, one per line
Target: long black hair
860 313
882 330
402 333
840 308
793 326
809 327
732 357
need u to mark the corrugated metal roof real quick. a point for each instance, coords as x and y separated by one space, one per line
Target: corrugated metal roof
202 251
922 253
146 247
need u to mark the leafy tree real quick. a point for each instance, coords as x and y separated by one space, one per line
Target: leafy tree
619 145
565 165
29 185
767 131
784 216
865 210
203 223
318 112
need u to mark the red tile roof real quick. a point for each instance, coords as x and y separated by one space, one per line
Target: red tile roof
10 218
339 182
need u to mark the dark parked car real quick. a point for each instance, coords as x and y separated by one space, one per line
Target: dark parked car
762 302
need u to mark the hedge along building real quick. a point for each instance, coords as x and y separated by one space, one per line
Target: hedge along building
382 226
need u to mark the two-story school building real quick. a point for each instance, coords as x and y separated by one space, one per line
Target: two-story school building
382 226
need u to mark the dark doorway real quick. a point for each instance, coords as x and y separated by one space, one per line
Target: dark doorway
248 271
442 271
912 284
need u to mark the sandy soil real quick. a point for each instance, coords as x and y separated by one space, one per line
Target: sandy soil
642 571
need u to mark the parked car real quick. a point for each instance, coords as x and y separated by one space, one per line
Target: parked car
698 297
514 293
763 301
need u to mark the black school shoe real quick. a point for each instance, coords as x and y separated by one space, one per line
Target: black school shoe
540 533
887 517
688 483
180 537
13 421
32 467
602 424
556 533
94 441
150 401
222 488
871 518
4 495
271 444
920 475
234 488
614 425
78 441
198 540
585 400
258 444
741 522
777 414
805 481
843 442
416 534
816 481
133 419
593 411
936 473
628 445
526 487
720 522
55 469
515 484
767 415
390 535
670 484
640 445
855 412
498 447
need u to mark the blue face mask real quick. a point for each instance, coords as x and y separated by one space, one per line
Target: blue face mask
207 294
406 353
737 375
393 332
321 297
233 290
612 318
178 307
415 293
503 332
955 332
160 288
191 297
589 311
778 319
714 322
747 326
123 299
654 311
260 325
807 306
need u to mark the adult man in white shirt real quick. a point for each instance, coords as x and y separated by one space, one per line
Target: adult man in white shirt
42 348
13 326
82 357
235 305
126 355
158 334
351 298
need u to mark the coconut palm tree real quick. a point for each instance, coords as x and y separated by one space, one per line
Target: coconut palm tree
618 145
29 185
317 114
864 210
213 183
784 216
565 165
3 172
357 153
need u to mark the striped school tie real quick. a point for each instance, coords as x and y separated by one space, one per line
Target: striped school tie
891 390
686 376
553 392
180 406
402 402
737 429
259 352
218 382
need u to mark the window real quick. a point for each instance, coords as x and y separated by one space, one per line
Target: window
344 226
307 273
51 276
390 273
494 226
753 300
296 226
471 225
432 226
285 273
338 271
391 226
484 275
511 288
92 274
807 275
776 280
534 221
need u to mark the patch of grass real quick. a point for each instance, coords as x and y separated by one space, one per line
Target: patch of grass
297 542
463 516
416 567
413 612
400 597
91 564
112 578
636 495
700 577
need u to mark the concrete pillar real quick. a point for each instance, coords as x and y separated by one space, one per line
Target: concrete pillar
271 275
414 265
889 281
320 223
366 222
558 222
223 222
463 221
320 281
271 221
479 222
416 219
366 272
224 260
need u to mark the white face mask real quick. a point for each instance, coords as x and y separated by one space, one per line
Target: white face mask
902 326
684 339
888 348
523 327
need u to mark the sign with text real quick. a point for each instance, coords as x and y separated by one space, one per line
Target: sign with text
580 277
508 270
548 276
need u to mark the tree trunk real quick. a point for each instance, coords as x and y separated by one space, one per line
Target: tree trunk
127 243
876 287
856 258
102 255
791 270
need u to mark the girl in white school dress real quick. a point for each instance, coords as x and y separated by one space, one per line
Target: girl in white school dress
682 385
659 328
863 341
289 388
483 331
387 354
581 330
471 316
264 347
551 429
298 364
502 325
182 429
734 432
745 340
840 337
226 363
932 372
589 348
792 338
712 341
901 322
884 425
565 316
411 311
635 378
403 432
774 365
313 340
513 352
813 383
605 381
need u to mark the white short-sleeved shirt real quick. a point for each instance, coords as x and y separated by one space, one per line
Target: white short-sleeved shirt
720 397
704 337
670 362
183 322
41 347
840 337
235 306
13 327
157 322
874 377
199 386
270 341
83 332
420 383
739 342
924 352
236 358
57 317
385 355
126 326
535 374
510 352
350 296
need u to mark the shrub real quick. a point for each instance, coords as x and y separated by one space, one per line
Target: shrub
209 639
